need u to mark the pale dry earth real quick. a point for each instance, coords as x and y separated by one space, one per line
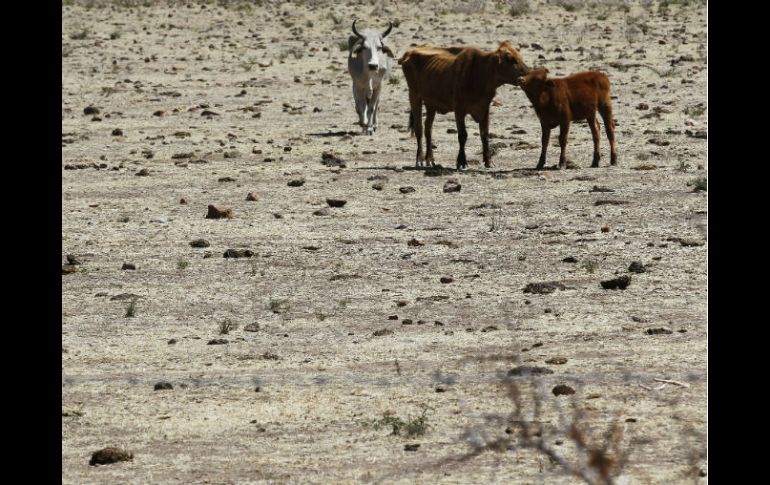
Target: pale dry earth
320 286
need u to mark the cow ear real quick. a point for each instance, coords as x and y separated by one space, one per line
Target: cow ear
352 42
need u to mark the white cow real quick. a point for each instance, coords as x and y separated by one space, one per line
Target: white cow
369 61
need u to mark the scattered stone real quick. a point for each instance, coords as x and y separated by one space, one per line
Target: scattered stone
406 190
556 360
637 267
643 106
658 331
488 328
251 196
331 160
696 134
91 110
620 283
130 266
630 420
440 389
384 331
232 154
270 356
446 279
217 213
562 390
68 269
226 179
659 142
437 171
163 385
171 342
597 188
238 253
336 202
322 212
529 370
183 201
452 185
378 186
199 243
412 447
407 321
544 288
109 455
296 182
209 113
217 341
570 259
117 132
393 317
485 205
610 202
415 243
143 172
252 327
401 303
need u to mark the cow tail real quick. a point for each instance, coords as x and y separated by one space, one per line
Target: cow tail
411 124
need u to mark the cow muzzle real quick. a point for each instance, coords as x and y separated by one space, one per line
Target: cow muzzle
373 67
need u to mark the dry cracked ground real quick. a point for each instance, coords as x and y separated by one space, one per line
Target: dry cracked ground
409 309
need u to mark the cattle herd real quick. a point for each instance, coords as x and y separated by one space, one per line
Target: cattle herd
464 80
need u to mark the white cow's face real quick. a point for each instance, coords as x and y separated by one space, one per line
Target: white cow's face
371 50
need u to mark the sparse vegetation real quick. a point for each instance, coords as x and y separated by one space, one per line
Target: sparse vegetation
497 222
394 80
131 309
411 427
182 265
683 166
519 7
278 305
700 184
226 326
590 265
343 45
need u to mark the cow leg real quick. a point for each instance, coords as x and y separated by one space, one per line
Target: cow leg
484 131
373 105
359 95
609 126
594 124
544 140
563 132
429 116
462 137
416 115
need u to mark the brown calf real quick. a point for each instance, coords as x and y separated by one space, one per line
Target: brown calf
560 101
459 79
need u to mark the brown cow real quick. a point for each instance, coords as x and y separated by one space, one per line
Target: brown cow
560 101
459 79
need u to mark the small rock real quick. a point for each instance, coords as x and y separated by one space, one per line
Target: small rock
544 288
217 341
217 213
331 160
401 303
446 279
610 202
322 212
452 185
529 370
556 360
659 142
251 196
643 106
562 389
238 253
143 172
384 331
109 455
91 110
128 266
378 186
296 182
630 420
183 201
620 283
68 269
658 331
171 342
637 267
226 179
406 190
252 327
163 385
440 389
415 243
336 202
597 188
570 259
209 113
117 132
488 328
199 243
393 317
406 321
412 447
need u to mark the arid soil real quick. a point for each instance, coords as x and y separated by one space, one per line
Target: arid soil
291 365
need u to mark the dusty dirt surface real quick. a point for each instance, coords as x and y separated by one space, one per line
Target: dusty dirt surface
339 320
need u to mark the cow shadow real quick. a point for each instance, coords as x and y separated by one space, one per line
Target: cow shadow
336 133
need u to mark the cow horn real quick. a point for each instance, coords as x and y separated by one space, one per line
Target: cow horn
355 31
385 34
